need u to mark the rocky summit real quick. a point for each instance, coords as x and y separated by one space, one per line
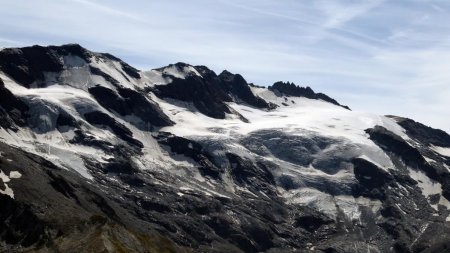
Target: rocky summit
97 156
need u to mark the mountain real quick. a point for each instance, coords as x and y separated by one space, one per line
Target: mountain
97 156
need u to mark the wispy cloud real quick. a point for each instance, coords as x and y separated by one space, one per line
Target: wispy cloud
114 11
339 13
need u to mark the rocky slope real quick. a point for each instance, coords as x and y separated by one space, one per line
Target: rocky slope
97 156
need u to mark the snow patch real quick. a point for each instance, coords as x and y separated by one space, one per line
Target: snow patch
441 150
6 179
114 69
387 163
429 187
429 160
174 71
15 174
154 77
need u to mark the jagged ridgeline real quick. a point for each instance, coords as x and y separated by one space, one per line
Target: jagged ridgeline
97 156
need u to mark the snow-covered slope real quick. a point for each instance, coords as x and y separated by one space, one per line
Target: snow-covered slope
210 161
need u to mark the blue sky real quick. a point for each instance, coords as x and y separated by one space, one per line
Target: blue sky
386 57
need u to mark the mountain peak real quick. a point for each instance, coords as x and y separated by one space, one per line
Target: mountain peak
291 89
179 70
36 64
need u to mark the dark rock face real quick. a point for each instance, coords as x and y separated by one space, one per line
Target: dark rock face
73 49
89 140
291 89
130 102
210 92
372 179
105 121
255 176
121 166
394 143
427 137
236 85
148 111
400 220
424 134
193 150
28 64
410 155
312 221
206 94
13 111
66 120
19 226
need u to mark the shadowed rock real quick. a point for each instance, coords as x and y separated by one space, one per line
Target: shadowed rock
290 89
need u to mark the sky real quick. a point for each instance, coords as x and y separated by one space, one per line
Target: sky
386 57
